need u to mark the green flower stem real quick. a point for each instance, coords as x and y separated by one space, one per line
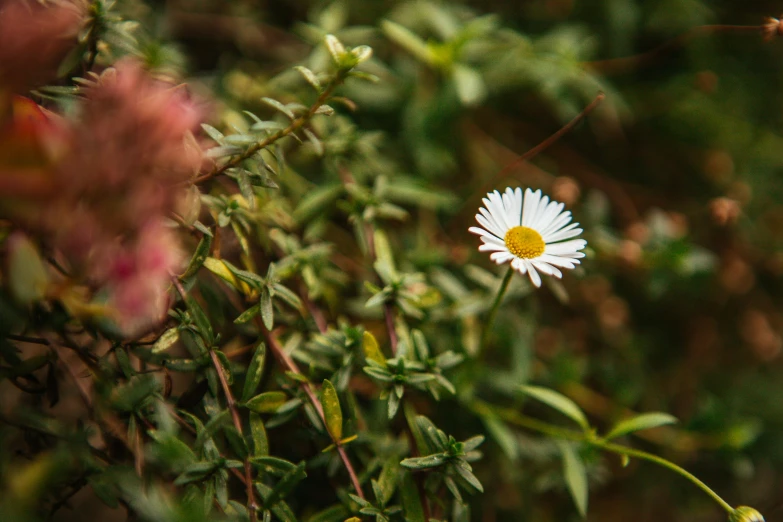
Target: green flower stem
513 417
643 455
494 310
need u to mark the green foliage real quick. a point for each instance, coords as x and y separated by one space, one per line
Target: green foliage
335 348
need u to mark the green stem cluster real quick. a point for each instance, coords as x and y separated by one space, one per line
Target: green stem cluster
294 126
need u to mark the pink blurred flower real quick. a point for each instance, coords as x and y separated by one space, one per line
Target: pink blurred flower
118 173
138 276
35 39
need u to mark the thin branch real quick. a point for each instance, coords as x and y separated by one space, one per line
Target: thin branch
252 505
628 63
294 126
388 312
316 313
551 139
291 366
27 339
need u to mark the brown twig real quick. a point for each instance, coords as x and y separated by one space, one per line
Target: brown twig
252 506
291 366
621 65
549 141
294 126
27 339
316 313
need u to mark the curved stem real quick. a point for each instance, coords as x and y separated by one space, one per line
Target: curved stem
513 417
493 312
643 455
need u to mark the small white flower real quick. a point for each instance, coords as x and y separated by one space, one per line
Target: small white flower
531 232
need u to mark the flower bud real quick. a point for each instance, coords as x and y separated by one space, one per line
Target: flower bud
745 514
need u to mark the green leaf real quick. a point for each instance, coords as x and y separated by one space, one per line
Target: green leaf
196 472
254 372
407 40
236 440
315 141
387 480
166 340
575 476
200 319
503 436
421 441
332 411
559 402
272 465
430 461
267 402
316 201
413 504
335 513
278 106
464 471
371 349
212 132
645 421
470 86
310 76
383 252
258 432
27 274
199 256
286 484
335 48
267 311
248 314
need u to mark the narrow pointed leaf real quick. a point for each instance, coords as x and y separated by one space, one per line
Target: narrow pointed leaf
254 372
645 421
559 402
575 476
332 411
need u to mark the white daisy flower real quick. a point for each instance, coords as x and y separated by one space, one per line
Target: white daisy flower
531 231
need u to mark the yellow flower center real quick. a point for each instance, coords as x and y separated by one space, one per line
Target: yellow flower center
524 242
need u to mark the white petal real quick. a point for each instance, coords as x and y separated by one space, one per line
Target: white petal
562 262
495 214
547 269
483 233
492 240
501 257
539 213
534 277
518 198
566 247
529 206
488 247
566 233
552 211
484 222
497 228
499 213
557 223
514 205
